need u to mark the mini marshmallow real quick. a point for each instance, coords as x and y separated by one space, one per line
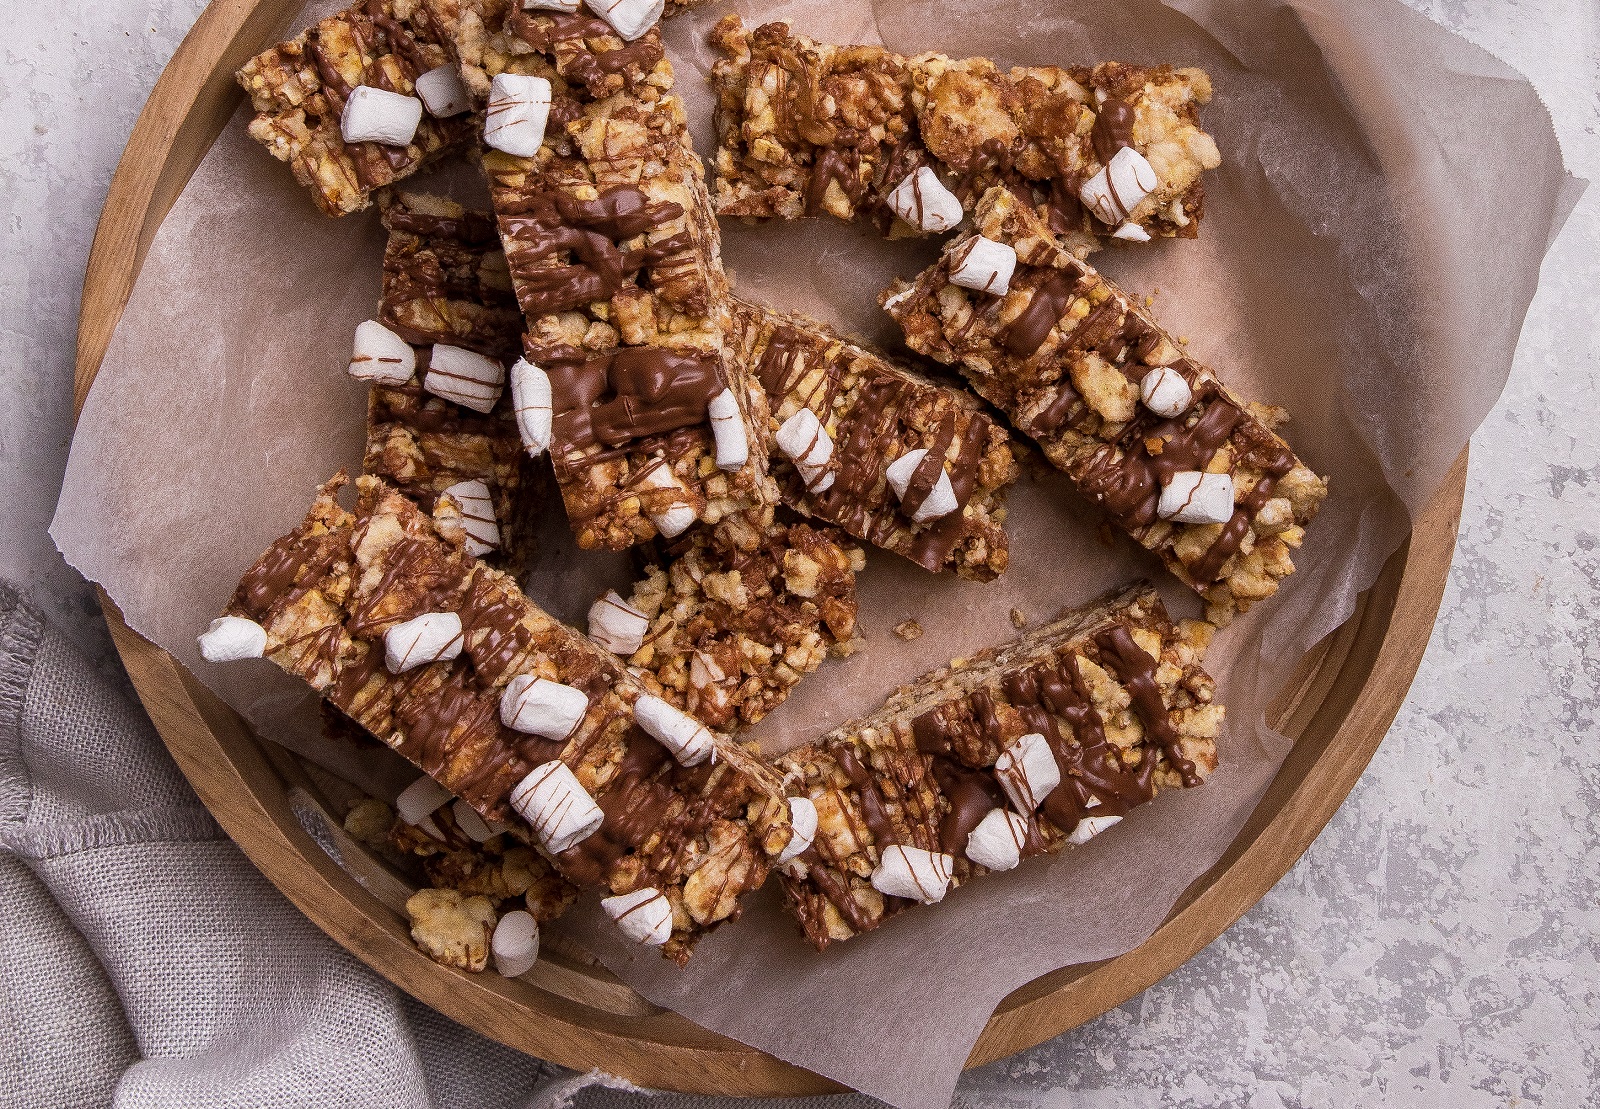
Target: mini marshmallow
515 944
1027 771
1089 827
1192 497
568 6
940 501
690 741
477 516
1165 392
803 819
421 799
727 428
913 873
431 637
923 202
377 115
1119 187
231 638
675 520
555 804
805 442
380 356
996 843
644 916
475 827
1132 233
629 18
519 108
616 625
538 706
465 377
984 266
442 92
530 397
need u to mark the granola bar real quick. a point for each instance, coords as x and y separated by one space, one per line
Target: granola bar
734 626
1114 694
615 257
298 90
873 410
697 837
806 128
445 281
1065 355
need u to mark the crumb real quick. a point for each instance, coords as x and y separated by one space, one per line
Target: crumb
908 630
1018 620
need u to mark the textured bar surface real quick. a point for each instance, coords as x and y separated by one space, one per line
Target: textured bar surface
445 281
1116 689
1063 354
875 409
298 90
806 128
327 593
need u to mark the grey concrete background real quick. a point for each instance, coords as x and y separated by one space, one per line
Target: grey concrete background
1438 944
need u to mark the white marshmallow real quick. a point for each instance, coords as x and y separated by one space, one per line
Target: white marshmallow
1166 392
515 944
1089 827
940 501
519 108
913 873
629 18
556 806
805 442
644 916
984 266
530 397
690 741
1119 187
377 115
727 428
568 6
675 520
231 638
465 377
893 302
996 843
474 826
923 202
1192 497
442 92
1027 771
431 637
538 706
477 516
380 356
803 819
616 625
421 799
1132 233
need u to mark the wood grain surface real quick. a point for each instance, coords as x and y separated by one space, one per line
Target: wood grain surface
568 1009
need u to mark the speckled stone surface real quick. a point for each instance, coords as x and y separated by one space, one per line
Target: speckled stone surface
1438 944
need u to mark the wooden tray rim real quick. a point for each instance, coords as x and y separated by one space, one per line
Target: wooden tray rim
1338 708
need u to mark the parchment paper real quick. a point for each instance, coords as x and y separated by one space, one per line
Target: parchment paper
1368 253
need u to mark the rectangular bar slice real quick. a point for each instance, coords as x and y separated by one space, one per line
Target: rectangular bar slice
615 257
725 629
1017 751
330 597
299 90
445 282
806 127
870 411
1116 404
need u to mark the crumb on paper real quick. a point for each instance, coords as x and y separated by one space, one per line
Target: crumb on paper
1018 620
908 630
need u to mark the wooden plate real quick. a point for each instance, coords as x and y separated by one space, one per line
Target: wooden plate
1338 707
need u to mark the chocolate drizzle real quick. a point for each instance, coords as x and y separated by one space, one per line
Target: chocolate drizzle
1027 333
1113 129
1137 671
633 393
570 40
